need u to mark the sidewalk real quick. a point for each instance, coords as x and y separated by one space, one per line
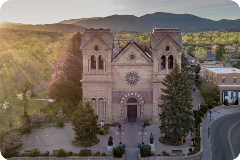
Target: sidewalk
207 151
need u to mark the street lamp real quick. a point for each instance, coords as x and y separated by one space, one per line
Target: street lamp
121 116
141 132
120 131
210 114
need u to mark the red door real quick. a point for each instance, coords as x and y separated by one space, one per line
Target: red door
132 113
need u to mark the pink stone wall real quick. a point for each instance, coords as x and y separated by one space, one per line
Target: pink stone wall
146 95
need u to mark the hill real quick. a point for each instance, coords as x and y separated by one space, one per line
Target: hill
145 23
57 27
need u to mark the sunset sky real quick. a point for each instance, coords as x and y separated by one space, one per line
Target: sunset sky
53 11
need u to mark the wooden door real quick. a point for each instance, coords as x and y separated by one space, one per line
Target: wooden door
132 113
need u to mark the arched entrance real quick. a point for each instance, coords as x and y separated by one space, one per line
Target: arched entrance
132 109
132 106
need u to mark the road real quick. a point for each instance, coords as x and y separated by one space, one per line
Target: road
225 132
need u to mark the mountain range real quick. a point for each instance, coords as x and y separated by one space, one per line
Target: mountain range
145 23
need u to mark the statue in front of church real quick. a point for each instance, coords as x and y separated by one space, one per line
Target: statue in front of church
110 141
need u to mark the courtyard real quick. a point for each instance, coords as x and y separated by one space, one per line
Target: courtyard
49 138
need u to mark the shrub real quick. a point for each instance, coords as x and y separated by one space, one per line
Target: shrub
218 104
113 124
45 154
166 154
84 153
25 155
25 130
145 151
96 154
104 130
60 124
12 141
118 152
197 120
146 122
236 102
204 108
225 102
103 154
195 112
10 154
35 152
200 113
62 153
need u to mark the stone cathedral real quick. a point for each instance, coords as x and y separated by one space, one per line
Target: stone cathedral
126 85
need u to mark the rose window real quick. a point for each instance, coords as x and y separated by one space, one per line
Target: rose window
132 78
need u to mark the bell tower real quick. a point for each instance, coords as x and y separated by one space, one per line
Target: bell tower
97 48
167 47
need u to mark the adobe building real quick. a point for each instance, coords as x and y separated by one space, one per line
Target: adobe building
127 85
228 82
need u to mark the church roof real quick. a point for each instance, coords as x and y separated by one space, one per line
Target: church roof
145 53
97 32
159 33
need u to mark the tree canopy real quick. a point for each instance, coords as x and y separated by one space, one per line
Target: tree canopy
176 116
84 122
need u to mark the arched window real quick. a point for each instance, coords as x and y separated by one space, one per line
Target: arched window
163 62
100 62
93 62
170 62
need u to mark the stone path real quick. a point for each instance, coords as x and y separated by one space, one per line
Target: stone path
131 154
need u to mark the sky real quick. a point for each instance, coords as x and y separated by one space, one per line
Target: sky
53 11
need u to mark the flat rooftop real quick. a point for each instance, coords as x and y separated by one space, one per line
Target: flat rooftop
224 70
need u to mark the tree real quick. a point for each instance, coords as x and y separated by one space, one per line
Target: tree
19 73
189 50
220 51
84 122
184 62
68 87
236 65
176 117
200 53
227 60
210 92
37 118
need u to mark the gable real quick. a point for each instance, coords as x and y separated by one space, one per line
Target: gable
95 40
132 55
168 39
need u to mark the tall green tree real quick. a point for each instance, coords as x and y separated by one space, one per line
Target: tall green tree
184 62
176 117
68 87
220 51
84 122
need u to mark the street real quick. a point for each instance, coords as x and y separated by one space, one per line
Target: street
224 133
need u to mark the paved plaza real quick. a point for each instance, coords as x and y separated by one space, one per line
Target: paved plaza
49 138
53 138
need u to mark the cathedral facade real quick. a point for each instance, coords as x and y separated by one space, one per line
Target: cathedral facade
127 85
